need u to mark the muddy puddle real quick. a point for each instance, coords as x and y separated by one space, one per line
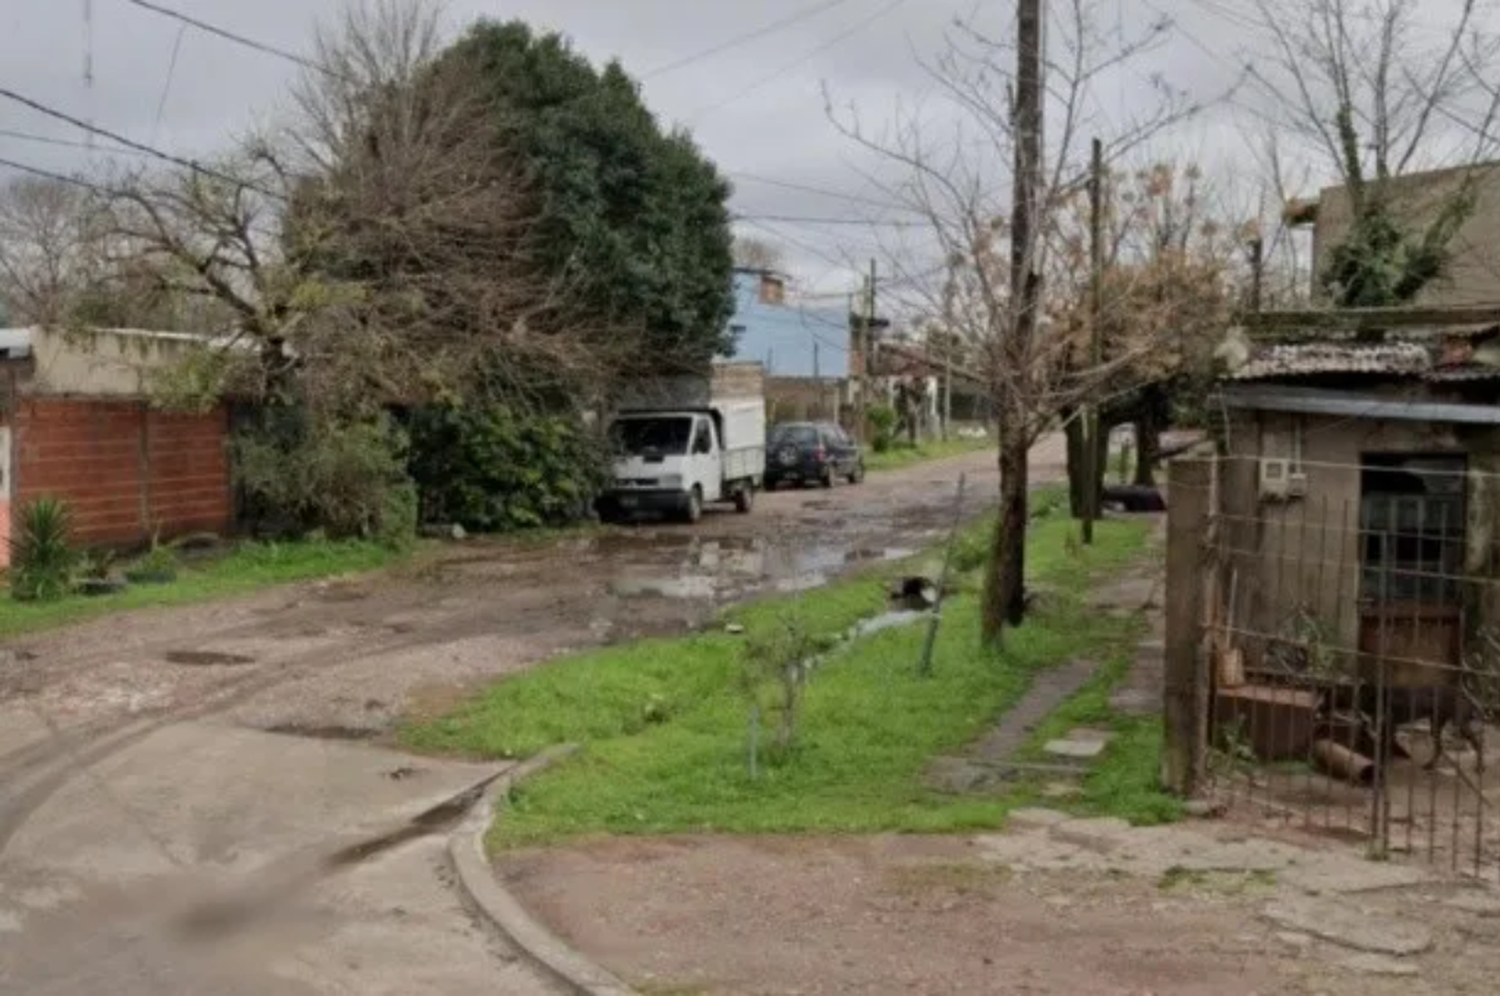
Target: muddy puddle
719 569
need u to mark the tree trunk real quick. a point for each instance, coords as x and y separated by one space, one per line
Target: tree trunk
1005 574
1078 467
1151 421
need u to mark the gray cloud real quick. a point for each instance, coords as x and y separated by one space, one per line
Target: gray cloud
774 128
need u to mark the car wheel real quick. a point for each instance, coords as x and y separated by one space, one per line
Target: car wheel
744 499
857 475
694 510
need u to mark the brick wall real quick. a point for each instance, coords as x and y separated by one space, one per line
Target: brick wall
124 468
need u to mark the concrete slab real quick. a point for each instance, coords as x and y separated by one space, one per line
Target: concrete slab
1033 817
1076 749
1336 922
196 861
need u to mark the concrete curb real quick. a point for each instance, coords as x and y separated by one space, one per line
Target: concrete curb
485 890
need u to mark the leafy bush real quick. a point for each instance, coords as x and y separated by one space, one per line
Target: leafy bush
158 566
492 469
43 560
343 479
883 420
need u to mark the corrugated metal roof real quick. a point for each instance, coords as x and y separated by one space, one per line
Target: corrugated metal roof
1308 359
1463 374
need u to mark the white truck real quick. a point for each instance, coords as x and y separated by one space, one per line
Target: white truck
681 443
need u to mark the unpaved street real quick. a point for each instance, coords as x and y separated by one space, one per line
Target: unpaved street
151 760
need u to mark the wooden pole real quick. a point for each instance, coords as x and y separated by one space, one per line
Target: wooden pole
1186 681
1005 577
1091 425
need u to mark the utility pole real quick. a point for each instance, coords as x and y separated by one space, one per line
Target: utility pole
1005 582
1257 271
867 331
1092 422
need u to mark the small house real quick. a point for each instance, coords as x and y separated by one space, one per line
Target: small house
76 423
1358 505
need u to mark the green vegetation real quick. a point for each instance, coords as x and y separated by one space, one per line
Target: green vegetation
44 563
493 469
634 218
664 722
1125 782
246 569
899 454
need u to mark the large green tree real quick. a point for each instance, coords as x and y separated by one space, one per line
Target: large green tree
633 216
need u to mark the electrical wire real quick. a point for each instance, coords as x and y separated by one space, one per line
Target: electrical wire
781 71
166 87
149 150
822 191
232 36
756 34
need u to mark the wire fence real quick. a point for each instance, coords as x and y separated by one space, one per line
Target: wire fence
1353 632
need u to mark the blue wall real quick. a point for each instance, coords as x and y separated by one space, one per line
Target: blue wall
784 336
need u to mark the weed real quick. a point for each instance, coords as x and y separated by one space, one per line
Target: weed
43 561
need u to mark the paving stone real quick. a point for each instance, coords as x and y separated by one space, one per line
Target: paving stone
1335 922
1378 964
1036 817
1486 907
1082 749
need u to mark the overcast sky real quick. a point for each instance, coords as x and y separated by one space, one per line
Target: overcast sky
756 108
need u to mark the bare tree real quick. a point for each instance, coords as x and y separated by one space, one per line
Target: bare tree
957 179
1172 266
378 248
757 254
50 248
1378 90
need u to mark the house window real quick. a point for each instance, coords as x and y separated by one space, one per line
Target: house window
1412 528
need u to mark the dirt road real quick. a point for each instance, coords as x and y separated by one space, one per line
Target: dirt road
172 753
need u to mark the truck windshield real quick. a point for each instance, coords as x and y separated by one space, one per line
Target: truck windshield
666 436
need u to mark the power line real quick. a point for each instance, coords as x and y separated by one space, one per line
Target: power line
66 143
822 192
787 219
228 35
47 174
166 87
781 71
155 153
743 39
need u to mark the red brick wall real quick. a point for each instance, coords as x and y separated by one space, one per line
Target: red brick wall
123 468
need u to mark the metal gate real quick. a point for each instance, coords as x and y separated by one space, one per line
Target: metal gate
1353 665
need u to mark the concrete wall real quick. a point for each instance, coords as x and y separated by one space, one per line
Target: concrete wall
796 399
124 469
103 363
1474 276
1305 553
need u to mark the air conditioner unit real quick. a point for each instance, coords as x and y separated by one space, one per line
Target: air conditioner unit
1275 478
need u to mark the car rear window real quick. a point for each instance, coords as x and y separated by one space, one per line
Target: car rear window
797 435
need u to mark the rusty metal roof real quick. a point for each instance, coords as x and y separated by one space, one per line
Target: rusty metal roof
1309 359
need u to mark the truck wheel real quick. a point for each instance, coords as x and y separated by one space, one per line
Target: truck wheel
744 499
694 510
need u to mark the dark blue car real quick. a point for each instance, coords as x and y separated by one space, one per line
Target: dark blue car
808 452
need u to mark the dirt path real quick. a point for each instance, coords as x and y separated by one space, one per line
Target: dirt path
346 658
140 749
991 915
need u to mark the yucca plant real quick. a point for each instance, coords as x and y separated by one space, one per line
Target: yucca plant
43 562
